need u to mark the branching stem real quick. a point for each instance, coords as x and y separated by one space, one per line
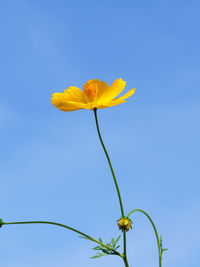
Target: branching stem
64 226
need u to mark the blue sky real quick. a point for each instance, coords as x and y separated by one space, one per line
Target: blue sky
52 165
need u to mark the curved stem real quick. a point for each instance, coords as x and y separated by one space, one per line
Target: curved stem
64 226
155 230
109 162
116 184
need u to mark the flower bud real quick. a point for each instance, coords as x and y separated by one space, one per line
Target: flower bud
1 223
124 224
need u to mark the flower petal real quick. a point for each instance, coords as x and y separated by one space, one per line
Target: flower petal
128 94
116 101
110 104
108 93
71 99
59 101
103 88
74 94
79 105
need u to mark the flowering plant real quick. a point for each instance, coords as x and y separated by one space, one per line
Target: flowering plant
97 95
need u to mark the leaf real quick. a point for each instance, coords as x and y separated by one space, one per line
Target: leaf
98 255
117 239
110 250
97 248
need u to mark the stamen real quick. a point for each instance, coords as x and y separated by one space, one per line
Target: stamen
91 90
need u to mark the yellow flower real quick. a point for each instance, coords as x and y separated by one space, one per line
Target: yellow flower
95 94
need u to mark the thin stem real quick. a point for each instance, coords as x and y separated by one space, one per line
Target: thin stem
125 262
109 162
116 185
64 226
155 230
125 254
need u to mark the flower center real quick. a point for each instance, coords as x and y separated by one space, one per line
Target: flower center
91 90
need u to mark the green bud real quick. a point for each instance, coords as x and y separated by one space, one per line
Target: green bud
1 223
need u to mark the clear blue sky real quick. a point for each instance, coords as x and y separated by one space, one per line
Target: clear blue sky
52 165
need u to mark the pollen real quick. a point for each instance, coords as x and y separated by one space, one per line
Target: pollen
91 90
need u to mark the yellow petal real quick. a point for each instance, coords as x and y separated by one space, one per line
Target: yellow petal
102 89
110 104
116 101
74 94
58 100
108 93
128 94
71 99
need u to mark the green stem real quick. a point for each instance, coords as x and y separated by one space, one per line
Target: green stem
125 255
116 184
155 230
109 162
125 262
64 226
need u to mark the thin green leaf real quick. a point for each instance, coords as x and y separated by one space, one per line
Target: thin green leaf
113 242
99 255
97 248
117 239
